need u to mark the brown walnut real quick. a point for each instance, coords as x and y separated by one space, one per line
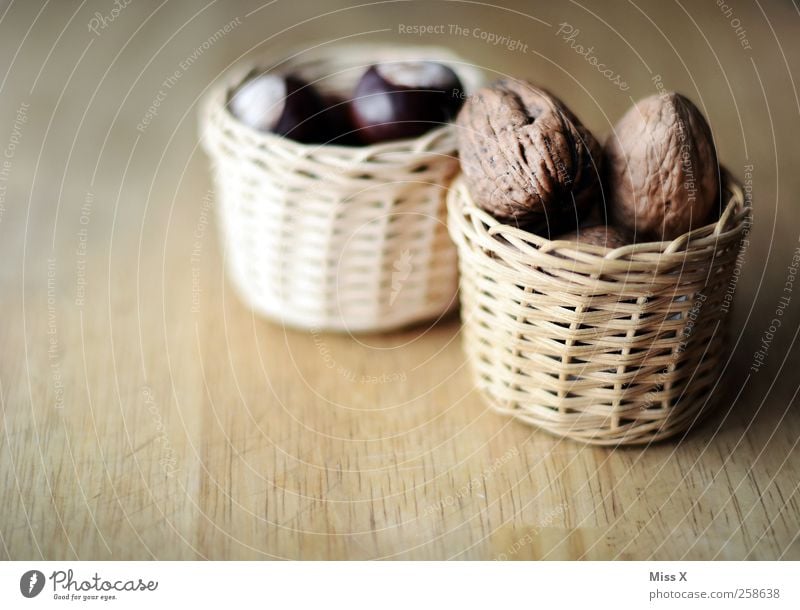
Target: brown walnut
607 236
525 156
662 168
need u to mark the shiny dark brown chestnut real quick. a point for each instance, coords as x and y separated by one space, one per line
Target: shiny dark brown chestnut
337 122
284 105
400 100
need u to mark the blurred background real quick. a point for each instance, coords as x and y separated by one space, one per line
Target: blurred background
138 423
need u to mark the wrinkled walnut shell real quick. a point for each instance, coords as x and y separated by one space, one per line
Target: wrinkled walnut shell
606 236
525 156
662 168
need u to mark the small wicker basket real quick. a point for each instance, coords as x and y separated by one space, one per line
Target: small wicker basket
333 237
606 346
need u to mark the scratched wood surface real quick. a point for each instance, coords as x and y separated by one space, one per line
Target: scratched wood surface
147 414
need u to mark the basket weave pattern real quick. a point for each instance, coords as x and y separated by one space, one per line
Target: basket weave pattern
334 237
606 346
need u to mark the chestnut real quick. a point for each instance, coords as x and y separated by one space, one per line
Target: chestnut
337 122
284 105
400 100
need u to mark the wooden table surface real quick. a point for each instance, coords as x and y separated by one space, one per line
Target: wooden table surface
137 424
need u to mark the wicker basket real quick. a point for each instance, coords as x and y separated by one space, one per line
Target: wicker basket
606 346
334 237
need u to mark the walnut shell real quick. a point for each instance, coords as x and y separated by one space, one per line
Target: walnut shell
607 236
662 168
525 156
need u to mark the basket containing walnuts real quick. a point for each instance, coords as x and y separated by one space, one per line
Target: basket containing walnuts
331 169
592 277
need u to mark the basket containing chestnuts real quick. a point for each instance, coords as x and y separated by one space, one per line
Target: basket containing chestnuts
592 277
331 170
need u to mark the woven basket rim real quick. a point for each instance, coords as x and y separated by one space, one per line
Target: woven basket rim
436 141
731 222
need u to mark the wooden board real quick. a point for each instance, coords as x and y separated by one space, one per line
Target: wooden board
144 419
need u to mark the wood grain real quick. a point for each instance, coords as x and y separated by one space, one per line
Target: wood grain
138 423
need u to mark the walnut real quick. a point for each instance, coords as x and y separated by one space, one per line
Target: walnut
662 168
525 156
607 236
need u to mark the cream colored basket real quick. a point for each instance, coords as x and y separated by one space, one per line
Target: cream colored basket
334 237
606 346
